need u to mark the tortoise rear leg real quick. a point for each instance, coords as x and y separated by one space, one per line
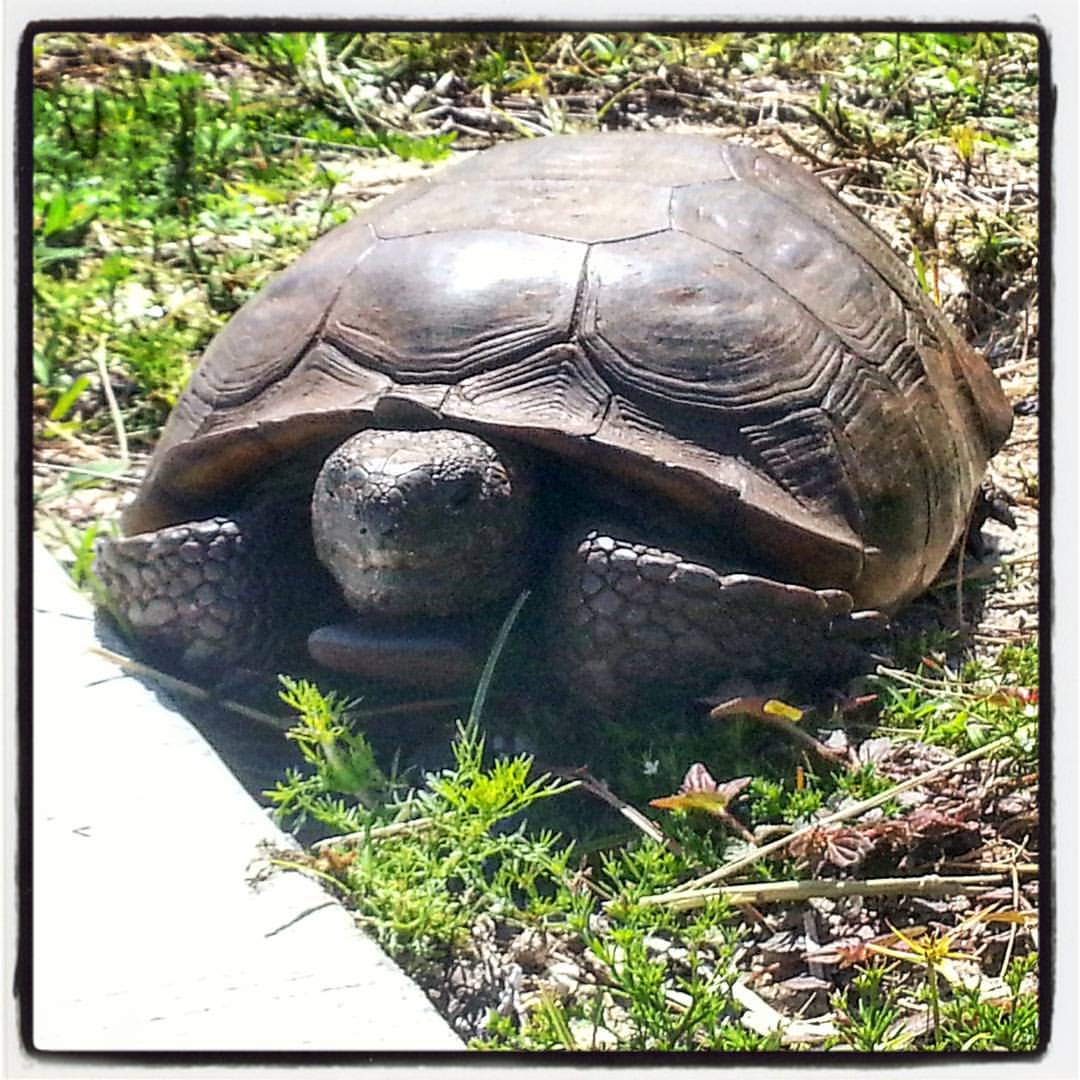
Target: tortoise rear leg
207 595
632 622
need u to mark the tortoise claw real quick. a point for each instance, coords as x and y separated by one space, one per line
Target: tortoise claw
859 626
991 502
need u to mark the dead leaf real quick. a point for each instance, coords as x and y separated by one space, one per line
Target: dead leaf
759 705
841 846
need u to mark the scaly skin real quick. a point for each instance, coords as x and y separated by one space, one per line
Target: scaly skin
629 619
195 591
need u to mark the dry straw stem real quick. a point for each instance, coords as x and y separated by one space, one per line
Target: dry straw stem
985 570
132 481
847 814
1014 929
773 892
110 397
601 791
278 723
1023 869
378 832
196 693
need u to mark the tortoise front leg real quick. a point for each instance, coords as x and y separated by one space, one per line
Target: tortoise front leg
207 595
630 622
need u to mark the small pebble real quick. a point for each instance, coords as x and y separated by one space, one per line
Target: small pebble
413 96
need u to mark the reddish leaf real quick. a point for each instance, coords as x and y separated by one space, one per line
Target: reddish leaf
697 778
699 791
1005 695
846 952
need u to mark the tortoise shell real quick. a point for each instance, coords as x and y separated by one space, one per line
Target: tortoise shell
703 320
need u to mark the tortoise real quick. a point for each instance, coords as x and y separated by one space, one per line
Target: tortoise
670 383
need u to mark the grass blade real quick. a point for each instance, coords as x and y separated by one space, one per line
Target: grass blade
484 684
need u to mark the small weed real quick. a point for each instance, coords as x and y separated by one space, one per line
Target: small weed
774 801
419 892
930 951
869 1015
1011 1023
964 711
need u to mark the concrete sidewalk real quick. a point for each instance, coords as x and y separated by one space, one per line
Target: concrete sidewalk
146 934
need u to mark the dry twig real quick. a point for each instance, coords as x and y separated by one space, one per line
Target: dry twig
636 818
776 892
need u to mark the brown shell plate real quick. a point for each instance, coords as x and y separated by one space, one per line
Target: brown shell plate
700 318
